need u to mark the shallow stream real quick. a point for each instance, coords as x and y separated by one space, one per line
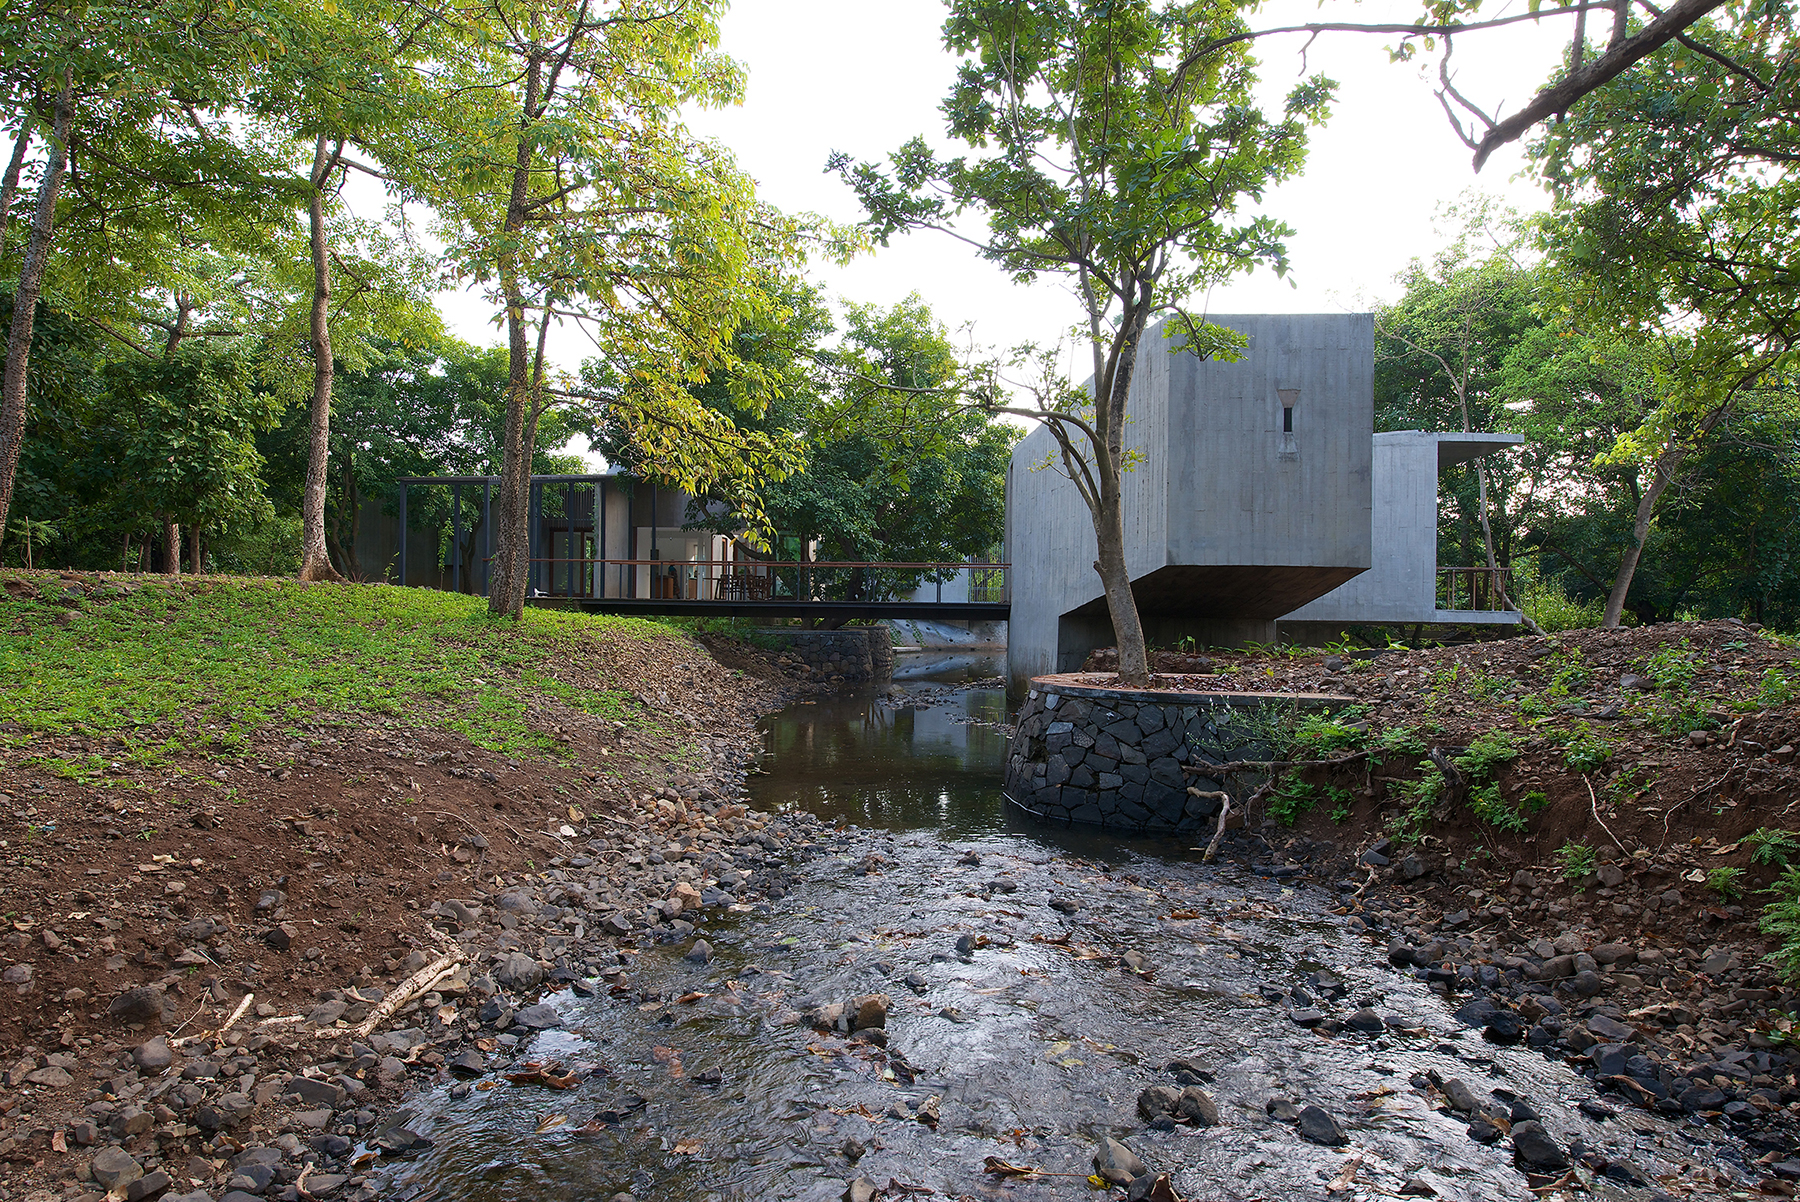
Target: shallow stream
1037 1036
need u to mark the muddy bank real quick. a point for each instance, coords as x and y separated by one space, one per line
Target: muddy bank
195 947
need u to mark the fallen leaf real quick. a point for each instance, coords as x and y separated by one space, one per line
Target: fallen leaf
58 1143
1000 1168
672 1058
1183 915
686 1147
688 999
550 1121
1346 1177
487 1085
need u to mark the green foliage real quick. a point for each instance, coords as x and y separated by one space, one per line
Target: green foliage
1775 691
1769 845
1487 754
1577 860
168 668
1322 736
1487 804
1297 797
1421 796
1726 882
1672 668
1781 918
1546 602
1585 751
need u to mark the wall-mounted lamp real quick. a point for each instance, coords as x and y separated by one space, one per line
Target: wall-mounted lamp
1289 397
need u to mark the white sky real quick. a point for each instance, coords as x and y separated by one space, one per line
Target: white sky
863 76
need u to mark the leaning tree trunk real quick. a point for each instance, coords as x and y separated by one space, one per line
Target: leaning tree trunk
1666 463
31 281
315 559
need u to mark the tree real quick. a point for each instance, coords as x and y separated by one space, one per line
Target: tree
1115 150
569 190
1441 349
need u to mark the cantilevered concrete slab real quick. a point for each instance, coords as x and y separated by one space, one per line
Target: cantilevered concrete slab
1401 584
1252 496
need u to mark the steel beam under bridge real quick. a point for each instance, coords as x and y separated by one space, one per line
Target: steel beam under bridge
975 611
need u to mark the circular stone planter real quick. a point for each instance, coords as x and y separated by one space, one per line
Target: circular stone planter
1085 752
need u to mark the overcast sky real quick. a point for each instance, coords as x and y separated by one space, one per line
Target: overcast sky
863 76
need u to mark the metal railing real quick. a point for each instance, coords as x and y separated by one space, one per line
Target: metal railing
770 580
1474 589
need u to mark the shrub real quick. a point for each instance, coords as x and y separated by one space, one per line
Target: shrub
1771 846
1724 882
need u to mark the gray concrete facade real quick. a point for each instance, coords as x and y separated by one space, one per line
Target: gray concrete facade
1401 584
1231 519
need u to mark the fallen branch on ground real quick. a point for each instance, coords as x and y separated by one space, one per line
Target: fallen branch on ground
243 1005
420 982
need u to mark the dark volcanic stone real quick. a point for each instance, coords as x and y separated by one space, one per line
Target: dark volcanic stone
1534 1149
1319 1127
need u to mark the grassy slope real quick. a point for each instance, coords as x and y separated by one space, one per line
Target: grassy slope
173 669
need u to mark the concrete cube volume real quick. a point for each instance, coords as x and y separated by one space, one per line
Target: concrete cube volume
1261 494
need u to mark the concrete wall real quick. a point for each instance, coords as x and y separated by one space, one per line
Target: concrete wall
1401 584
1223 533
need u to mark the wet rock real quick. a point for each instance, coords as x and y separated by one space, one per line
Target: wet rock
1505 1028
468 1062
1306 1016
1197 1107
1533 1149
541 1017
1186 1072
871 1011
1414 1187
148 1186
929 1111
1366 1021
1484 1132
396 1140
1462 1099
1065 905
1281 1110
916 983
861 1190
1587 983
1157 1100
1320 1128
114 1168
1118 1164
965 946
700 953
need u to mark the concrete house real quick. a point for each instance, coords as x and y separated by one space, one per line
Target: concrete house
1262 495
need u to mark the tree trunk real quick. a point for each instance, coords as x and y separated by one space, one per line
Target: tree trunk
9 186
315 560
1121 604
1109 513
1666 464
512 554
194 548
171 547
31 280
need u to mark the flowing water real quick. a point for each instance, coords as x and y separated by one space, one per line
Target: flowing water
1036 1034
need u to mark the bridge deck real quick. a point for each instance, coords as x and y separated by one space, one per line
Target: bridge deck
977 611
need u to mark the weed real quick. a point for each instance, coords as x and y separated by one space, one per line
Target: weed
1316 736
1491 750
1585 751
1672 669
1401 741
1775 691
1724 882
1772 846
1781 918
1569 673
1487 804
1577 860
1422 795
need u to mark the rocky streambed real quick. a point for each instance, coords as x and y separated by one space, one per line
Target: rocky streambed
868 979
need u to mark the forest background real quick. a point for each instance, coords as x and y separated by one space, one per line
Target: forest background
224 363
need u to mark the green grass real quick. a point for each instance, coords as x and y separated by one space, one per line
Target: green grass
180 668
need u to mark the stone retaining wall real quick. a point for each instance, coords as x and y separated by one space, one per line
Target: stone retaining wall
853 653
1114 757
